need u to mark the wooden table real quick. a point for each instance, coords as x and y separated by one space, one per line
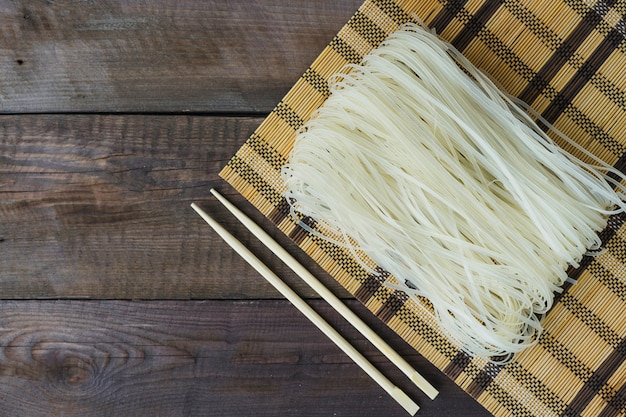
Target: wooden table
117 299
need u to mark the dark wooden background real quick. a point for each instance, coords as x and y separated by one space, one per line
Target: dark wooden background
117 300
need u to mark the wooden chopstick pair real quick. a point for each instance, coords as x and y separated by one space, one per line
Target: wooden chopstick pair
396 393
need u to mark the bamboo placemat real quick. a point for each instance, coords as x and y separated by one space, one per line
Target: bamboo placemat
566 59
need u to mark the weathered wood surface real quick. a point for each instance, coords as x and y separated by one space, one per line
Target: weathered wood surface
116 116
202 358
136 56
98 206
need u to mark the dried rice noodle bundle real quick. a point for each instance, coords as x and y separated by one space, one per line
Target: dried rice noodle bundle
449 185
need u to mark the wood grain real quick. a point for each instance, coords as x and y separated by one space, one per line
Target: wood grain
97 206
159 56
204 358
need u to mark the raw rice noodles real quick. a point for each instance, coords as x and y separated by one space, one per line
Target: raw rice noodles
448 184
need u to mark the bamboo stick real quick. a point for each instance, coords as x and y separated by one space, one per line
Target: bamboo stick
396 393
330 298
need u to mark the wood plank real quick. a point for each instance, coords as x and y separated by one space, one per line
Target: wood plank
97 206
159 56
217 358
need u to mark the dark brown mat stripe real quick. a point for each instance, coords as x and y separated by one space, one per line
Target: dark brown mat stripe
371 284
279 212
457 365
511 404
616 405
614 224
346 51
300 233
534 23
253 178
392 10
601 8
339 256
547 72
269 154
428 333
589 318
584 74
574 364
317 81
533 384
551 40
447 14
596 381
475 24
608 278
391 306
609 88
285 112
565 356
483 380
367 29
501 49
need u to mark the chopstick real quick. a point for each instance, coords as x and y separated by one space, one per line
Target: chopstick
396 393
330 298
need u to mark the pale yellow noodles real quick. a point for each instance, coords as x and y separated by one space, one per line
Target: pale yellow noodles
447 184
